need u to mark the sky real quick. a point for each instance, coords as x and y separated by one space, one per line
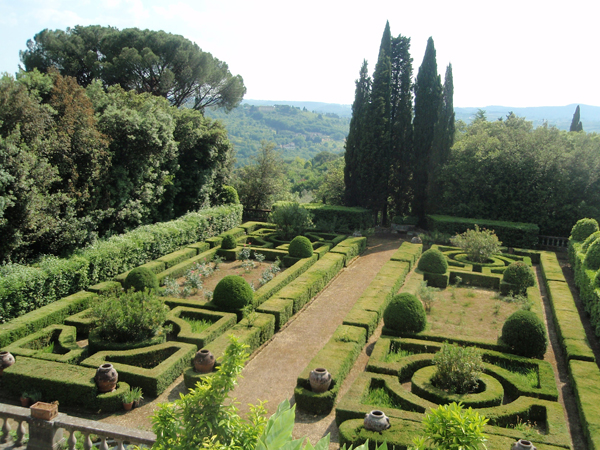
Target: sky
507 53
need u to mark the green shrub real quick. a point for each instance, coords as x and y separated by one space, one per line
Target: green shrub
592 256
458 368
233 292
228 195
479 245
132 317
525 334
228 242
519 274
589 240
433 261
292 219
405 314
583 228
141 278
300 247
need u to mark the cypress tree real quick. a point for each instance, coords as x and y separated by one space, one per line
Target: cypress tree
443 139
379 130
355 142
576 124
401 135
428 90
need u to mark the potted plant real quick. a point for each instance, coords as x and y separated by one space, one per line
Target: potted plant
30 397
131 398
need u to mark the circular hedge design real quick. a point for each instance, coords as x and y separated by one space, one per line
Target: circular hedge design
300 247
583 228
525 334
490 390
405 314
141 278
433 261
228 242
492 262
520 275
233 292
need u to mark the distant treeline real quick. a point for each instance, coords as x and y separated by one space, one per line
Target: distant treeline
76 163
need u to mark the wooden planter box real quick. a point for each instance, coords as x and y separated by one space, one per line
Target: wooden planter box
45 411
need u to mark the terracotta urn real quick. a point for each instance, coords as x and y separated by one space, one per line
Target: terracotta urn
376 421
6 360
204 361
106 378
25 402
320 379
523 444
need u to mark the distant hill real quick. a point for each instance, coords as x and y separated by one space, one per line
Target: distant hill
318 107
296 131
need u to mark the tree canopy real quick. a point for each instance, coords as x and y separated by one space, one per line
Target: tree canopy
156 62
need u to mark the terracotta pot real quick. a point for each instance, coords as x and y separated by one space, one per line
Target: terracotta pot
320 379
6 360
128 406
106 378
204 361
522 444
376 421
25 402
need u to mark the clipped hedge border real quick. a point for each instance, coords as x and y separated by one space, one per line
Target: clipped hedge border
585 380
409 253
512 234
180 269
153 381
221 322
83 321
63 336
70 385
337 356
356 218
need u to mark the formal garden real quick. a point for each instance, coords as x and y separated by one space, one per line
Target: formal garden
463 334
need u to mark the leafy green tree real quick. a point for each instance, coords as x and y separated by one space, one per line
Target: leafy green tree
428 92
331 190
156 62
262 183
356 142
576 124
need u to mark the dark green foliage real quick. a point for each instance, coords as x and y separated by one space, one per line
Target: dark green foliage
592 256
300 247
141 278
233 292
428 95
228 242
405 314
433 261
525 334
291 218
576 124
458 368
520 275
228 195
156 62
132 317
589 240
583 228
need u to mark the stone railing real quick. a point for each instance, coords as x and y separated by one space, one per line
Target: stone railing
553 242
48 434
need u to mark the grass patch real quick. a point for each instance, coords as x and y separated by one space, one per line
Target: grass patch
396 355
198 325
529 430
381 398
528 375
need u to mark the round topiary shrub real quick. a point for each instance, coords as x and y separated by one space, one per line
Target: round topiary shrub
228 242
519 274
592 256
228 195
433 261
300 247
141 278
525 334
583 228
405 314
233 292
589 240
597 279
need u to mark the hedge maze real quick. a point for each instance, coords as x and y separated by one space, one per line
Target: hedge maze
48 342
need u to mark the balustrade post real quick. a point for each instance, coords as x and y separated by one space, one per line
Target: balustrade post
44 435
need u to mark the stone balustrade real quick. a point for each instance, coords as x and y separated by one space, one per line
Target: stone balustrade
48 435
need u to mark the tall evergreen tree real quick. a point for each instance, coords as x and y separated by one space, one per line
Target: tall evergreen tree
401 134
428 92
443 139
576 124
355 142
378 118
